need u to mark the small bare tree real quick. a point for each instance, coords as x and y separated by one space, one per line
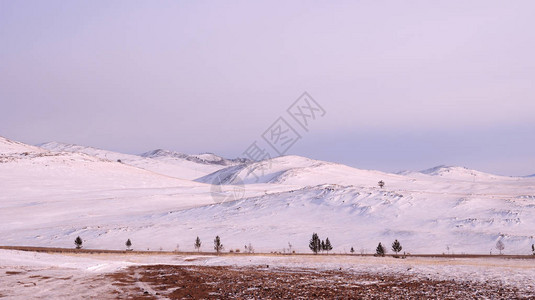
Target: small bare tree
500 246
128 244
381 184
249 248
198 244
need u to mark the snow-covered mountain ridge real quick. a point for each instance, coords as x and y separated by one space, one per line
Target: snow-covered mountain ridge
48 197
204 158
455 172
176 165
459 172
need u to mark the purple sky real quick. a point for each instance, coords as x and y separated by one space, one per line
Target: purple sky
406 84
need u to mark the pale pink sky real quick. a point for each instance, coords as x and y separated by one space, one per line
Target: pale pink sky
406 84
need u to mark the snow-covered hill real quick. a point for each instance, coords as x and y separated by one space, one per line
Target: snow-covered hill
205 158
362 217
297 170
460 173
179 166
10 147
47 198
455 173
303 172
50 191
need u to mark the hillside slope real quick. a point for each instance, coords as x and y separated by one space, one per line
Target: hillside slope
297 170
205 158
9 147
49 198
55 190
174 166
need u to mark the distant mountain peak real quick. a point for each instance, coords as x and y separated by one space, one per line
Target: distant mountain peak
63 147
295 170
203 158
162 152
443 169
458 172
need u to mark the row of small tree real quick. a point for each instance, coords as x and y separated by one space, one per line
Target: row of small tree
218 246
317 245
78 243
381 250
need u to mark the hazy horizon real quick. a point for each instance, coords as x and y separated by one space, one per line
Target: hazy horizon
424 84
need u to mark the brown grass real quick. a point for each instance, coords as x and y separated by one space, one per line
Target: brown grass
155 252
262 282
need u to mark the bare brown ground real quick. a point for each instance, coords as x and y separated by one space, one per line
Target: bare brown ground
262 282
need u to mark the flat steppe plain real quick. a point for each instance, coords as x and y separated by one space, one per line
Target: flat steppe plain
67 274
